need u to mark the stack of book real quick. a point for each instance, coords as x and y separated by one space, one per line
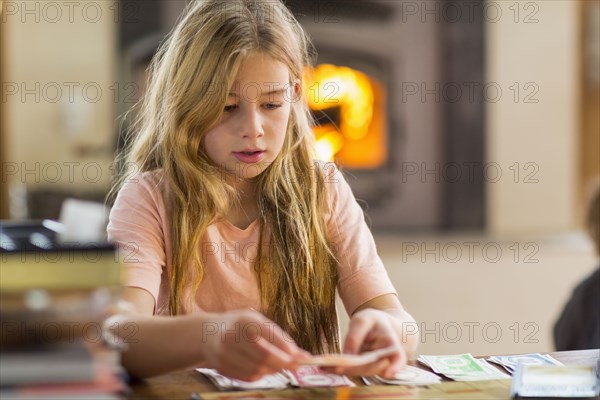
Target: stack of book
53 299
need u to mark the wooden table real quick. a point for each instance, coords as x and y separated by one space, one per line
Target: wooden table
181 385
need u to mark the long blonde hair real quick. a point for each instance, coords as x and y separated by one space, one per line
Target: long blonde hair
190 76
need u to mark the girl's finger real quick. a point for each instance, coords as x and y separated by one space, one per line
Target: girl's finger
357 332
398 361
377 368
285 343
373 368
238 365
273 334
267 355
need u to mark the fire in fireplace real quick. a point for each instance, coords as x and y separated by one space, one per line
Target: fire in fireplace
349 108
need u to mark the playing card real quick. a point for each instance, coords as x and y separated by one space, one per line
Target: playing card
462 367
349 360
491 370
511 362
311 376
461 364
274 381
409 375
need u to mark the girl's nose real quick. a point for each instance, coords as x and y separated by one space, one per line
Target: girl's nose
251 126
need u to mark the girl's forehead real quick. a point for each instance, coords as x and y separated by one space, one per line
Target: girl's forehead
260 69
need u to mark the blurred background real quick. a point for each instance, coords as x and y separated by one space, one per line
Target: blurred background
469 131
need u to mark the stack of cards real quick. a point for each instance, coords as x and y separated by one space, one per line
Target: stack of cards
308 376
305 377
274 381
510 362
462 367
407 376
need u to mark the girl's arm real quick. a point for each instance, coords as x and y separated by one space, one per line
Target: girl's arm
241 344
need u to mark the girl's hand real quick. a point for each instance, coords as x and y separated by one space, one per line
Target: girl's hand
246 345
372 329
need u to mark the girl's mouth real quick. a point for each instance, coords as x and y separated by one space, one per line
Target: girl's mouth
249 156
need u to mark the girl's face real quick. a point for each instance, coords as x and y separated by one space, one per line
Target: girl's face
251 132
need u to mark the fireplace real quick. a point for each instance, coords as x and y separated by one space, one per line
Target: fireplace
373 53
347 92
364 43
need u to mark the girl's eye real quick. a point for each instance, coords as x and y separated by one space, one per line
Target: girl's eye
272 106
229 107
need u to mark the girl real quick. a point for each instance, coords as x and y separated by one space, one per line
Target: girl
239 239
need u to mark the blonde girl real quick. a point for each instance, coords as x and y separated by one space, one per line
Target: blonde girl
236 239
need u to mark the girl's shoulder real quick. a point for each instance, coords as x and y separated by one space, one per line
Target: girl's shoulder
333 179
328 170
148 182
339 195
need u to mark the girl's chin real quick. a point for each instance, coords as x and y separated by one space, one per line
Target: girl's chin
242 170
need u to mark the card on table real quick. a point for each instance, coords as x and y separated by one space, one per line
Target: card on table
350 360
510 362
311 376
409 375
306 376
274 381
462 367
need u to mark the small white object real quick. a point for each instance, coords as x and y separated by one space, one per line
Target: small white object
37 300
84 222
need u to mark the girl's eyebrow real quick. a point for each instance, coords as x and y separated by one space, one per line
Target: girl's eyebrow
271 92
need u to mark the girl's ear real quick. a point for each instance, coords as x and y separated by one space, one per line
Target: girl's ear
295 90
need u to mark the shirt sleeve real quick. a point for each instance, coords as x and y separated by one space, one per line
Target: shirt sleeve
361 273
135 225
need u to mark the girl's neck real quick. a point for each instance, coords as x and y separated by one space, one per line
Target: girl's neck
246 189
246 212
